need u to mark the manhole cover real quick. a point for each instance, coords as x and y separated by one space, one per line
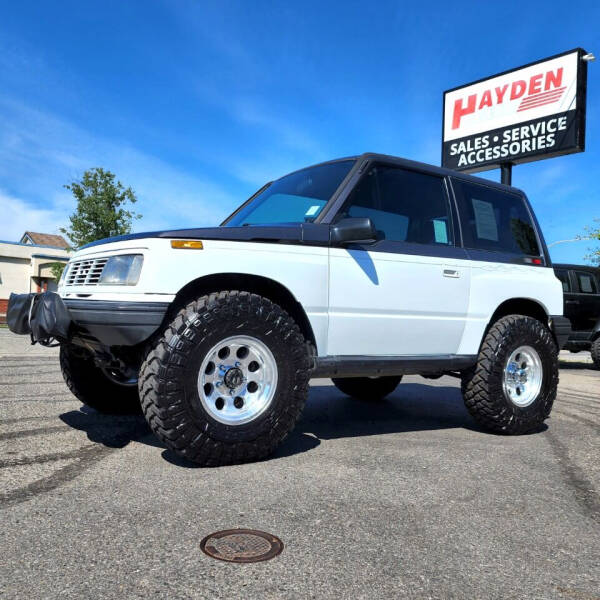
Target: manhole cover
241 545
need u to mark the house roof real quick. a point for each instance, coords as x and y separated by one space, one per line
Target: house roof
46 239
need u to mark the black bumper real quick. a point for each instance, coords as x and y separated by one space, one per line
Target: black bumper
116 323
561 328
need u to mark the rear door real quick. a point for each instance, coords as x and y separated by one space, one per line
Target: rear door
587 299
408 293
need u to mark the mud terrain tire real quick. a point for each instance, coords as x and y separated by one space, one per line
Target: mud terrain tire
482 386
169 386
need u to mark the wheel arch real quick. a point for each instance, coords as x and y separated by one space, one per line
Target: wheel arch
519 306
255 284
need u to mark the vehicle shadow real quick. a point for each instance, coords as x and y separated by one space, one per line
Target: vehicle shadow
328 414
575 365
112 431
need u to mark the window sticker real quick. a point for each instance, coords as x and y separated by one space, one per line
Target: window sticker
440 230
313 210
485 220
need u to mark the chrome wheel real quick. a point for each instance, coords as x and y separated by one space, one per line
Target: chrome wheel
523 375
237 380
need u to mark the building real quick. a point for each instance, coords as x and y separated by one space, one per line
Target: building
26 266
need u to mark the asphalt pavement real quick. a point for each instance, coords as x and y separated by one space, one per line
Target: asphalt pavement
406 498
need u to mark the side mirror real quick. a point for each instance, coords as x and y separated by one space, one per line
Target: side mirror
356 230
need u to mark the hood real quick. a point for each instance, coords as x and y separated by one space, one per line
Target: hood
282 232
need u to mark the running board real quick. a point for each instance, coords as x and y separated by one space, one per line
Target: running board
380 366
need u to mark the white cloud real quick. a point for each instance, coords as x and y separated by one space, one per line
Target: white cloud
19 216
39 152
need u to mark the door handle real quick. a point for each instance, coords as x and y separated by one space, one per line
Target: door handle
571 301
451 273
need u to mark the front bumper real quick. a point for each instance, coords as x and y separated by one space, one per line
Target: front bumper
108 322
561 328
116 323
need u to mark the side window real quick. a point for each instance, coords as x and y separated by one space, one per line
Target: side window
587 283
564 279
495 220
405 206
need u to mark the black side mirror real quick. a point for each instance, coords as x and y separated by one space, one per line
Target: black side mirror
356 230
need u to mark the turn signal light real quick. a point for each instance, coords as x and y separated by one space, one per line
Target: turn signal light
187 244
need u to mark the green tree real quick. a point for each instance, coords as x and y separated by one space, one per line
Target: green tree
593 233
57 269
102 208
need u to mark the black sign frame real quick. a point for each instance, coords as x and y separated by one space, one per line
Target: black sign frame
578 122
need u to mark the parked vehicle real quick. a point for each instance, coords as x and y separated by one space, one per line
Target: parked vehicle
362 269
581 288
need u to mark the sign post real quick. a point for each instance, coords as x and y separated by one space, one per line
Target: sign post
530 113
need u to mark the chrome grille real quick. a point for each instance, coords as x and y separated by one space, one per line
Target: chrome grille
85 272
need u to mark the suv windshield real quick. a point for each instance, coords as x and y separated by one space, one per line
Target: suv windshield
295 198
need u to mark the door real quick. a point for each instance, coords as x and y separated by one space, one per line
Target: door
587 298
408 293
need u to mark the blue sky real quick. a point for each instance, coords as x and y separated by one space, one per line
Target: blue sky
197 104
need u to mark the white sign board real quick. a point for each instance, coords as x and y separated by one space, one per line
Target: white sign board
533 112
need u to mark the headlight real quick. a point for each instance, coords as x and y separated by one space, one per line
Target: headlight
122 270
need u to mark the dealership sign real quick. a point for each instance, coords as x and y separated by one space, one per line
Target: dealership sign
533 112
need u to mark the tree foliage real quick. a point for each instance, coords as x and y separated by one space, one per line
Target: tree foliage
593 233
102 208
57 269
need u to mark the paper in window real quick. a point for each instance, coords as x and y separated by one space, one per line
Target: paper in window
485 220
440 230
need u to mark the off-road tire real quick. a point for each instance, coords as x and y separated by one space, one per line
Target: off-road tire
168 381
482 385
595 350
366 388
92 387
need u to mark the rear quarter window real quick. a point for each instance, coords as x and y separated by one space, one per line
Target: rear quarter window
586 282
495 220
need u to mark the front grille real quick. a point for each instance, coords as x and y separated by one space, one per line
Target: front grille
85 272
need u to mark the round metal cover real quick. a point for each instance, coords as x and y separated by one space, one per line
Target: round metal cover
241 545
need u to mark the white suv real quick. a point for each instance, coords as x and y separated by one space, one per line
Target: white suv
361 269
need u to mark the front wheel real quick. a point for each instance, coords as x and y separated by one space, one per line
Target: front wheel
97 388
228 379
512 388
367 388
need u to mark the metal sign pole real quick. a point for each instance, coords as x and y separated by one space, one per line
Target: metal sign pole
506 173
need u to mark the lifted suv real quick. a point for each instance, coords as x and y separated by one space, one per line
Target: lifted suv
361 269
581 287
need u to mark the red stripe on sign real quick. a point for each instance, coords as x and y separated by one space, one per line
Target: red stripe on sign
538 104
553 97
544 96
540 101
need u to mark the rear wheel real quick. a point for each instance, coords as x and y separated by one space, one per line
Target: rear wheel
595 350
513 385
228 379
367 388
103 390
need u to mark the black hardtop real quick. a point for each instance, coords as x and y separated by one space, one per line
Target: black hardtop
295 231
571 267
420 166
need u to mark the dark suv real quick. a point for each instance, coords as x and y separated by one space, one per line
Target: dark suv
581 287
